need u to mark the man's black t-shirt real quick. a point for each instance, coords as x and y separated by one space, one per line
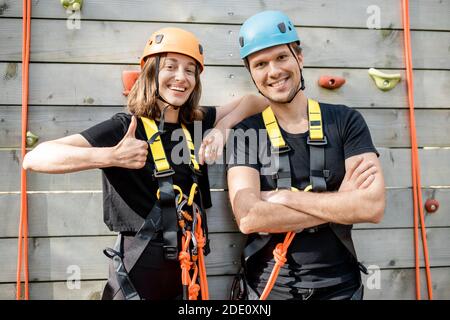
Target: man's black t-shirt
129 195
314 259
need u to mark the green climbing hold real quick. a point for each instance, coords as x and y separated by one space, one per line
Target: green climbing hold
74 5
383 80
32 139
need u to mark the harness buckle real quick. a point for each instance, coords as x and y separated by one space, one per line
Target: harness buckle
170 252
281 175
283 149
162 174
317 142
195 171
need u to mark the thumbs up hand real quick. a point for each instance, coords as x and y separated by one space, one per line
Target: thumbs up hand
130 152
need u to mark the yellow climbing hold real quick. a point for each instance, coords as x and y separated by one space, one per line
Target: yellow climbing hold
383 80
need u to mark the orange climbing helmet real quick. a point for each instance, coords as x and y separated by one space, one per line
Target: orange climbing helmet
174 40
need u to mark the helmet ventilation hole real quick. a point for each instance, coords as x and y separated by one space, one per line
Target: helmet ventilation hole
241 41
282 27
159 38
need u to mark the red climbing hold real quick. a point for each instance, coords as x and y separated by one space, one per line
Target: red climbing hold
129 77
431 205
330 82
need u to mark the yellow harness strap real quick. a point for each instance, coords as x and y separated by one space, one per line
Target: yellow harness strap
191 147
273 130
278 143
157 149
314 120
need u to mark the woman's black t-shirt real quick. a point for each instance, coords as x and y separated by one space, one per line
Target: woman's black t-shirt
129 194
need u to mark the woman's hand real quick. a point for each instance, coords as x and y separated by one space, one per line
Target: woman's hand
212 146
130 152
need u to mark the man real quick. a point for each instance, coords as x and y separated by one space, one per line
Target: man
340 167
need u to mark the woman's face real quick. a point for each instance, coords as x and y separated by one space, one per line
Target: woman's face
177 78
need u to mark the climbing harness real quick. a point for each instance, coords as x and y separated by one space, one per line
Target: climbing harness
316 141
190 224
22 245
173 212
415 163
283 176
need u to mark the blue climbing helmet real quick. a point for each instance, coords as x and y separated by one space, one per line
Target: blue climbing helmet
264 30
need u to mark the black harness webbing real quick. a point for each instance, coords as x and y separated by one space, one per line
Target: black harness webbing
162 217
282 177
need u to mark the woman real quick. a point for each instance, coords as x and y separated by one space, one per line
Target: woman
150 193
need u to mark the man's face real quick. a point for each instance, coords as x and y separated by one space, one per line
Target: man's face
276 72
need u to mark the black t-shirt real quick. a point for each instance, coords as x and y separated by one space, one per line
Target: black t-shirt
128 194
314 259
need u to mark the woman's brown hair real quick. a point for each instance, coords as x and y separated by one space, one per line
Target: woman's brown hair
142 99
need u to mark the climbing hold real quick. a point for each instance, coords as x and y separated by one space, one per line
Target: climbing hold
129 77
74 5
431 205
32 139
383 80
330 82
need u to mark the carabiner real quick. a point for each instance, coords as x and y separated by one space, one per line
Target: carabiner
192 194
178 198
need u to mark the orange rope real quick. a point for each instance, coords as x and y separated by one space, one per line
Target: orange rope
22 245
194 288
185 259
280 259
201 241
188 262
415 163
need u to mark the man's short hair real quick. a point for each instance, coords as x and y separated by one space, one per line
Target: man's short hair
295 46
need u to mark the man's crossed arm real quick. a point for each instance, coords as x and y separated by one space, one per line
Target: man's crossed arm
360 198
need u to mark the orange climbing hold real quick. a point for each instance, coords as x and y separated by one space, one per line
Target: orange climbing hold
129 78
331 82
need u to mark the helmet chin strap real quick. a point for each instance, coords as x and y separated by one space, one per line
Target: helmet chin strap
302 80
161 120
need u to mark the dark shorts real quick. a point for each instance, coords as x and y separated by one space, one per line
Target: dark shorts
349 290
153 277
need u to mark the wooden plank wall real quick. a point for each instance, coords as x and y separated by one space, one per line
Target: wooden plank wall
75 83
